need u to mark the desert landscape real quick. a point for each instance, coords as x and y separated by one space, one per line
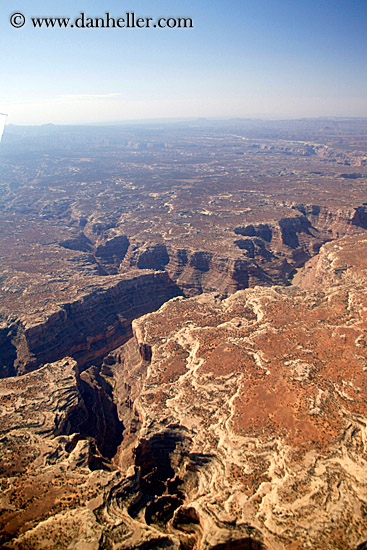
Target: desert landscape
183 317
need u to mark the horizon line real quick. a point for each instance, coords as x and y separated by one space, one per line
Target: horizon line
191 119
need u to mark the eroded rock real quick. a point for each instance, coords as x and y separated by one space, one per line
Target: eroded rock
269 390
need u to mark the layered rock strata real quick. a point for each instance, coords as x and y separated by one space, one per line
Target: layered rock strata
45 318
250 254
54 425
234 423
249 414
88 327
224 423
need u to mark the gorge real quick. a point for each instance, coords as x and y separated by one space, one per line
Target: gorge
182 360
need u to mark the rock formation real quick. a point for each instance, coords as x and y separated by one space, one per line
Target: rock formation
87 328
50 461
267 253
183 337
242 424
264 395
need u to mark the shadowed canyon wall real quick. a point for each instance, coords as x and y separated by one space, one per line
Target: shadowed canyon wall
86 329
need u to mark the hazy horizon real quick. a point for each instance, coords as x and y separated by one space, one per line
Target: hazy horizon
263 59
183 120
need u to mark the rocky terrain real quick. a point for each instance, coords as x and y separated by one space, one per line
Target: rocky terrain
96 320
265 394
182 338
236 423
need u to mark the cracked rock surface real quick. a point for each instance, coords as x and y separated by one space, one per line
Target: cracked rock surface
231 415
243 425
266 390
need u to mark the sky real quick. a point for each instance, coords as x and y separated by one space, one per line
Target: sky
242 58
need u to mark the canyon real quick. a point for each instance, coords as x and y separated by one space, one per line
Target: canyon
182 338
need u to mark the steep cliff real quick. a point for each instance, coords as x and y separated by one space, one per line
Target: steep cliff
86 328
237 423
222 424
267 255
246 420
55 438
230 420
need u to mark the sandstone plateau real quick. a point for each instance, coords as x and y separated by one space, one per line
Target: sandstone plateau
236 423
183 317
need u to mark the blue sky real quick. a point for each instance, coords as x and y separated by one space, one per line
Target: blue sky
249 58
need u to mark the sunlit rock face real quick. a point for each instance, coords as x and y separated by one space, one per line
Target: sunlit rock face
253 253
222 424
50 464
251 412
233 417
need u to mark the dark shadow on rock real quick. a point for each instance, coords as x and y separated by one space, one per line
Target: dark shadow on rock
247 543
96 415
